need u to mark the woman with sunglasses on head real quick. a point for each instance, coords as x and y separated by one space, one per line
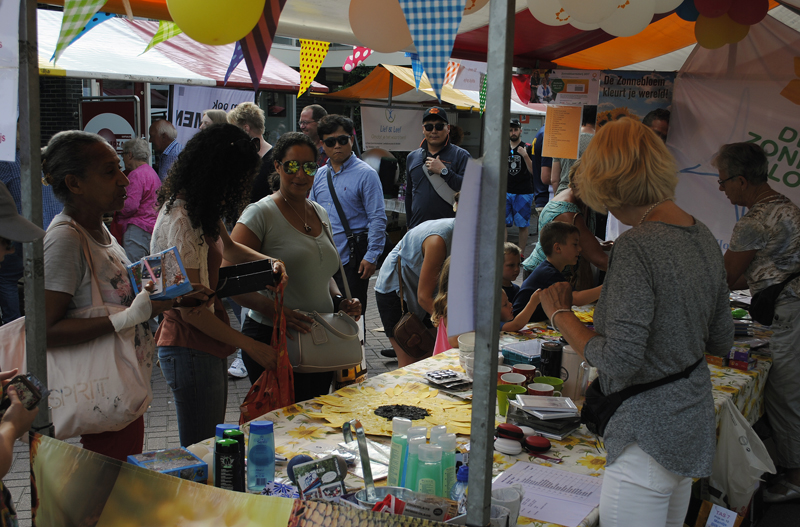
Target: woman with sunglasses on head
208 184
288 226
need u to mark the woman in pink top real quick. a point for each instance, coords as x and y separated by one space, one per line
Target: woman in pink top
138 216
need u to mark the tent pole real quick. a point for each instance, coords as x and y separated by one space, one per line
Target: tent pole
391 85
31 186
490 254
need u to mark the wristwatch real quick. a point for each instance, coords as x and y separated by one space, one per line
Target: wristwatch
444 172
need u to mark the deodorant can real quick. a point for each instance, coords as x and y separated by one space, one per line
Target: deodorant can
550 365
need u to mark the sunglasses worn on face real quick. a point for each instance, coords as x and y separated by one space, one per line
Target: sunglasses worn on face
430 126
330 142
291 167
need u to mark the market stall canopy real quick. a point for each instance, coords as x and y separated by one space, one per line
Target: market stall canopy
535 44
376 87
113 50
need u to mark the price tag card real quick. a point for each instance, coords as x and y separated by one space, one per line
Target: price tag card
721 517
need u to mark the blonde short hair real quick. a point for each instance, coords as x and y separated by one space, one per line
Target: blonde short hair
625 165
248 113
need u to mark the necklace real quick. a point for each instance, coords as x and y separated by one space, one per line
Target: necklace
648 211
758 197
306 226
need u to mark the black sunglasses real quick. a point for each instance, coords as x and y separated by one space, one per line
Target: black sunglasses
331 141
430 126
253 143
291 167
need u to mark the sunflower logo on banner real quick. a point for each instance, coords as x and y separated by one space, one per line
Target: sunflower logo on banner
77 14
433 25
312 54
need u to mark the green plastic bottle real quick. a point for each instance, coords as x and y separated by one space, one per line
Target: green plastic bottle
429 470
397 455
414 444
437 431
448 444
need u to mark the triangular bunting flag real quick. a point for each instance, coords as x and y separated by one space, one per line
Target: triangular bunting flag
257 43
482 94
416 67
77 13
360 53
235 60
166 30
433 25
98 18
452 69
312 54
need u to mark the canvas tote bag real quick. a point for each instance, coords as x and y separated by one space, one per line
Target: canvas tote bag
98 386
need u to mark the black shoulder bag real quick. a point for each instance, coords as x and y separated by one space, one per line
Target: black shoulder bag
762 305
358 242
599 408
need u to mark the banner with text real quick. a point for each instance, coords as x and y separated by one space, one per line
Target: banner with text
752 96
391 129
9 78
633 94
192 101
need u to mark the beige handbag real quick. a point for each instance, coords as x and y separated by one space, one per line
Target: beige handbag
98 386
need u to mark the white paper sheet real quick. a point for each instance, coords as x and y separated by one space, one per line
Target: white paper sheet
553 495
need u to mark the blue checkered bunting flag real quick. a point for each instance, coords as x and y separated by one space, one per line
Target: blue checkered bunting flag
98 18
416 67
433 25
237 57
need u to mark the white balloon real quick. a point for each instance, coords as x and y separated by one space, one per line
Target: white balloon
629 19
583 27
548 12
590 11
663 6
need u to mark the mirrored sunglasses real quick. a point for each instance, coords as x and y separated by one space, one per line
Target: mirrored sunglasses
331 141
291 167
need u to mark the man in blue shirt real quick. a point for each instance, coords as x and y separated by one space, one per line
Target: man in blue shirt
434 171
163 136
360 194
13 266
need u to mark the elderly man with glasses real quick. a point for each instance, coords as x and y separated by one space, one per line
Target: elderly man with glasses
434 171
309 120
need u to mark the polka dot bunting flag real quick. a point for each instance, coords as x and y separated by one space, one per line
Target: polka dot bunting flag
358 56
312 54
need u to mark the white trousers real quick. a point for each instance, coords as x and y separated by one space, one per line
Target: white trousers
637 490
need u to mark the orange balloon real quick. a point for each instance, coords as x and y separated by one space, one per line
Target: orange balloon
380 25
713 33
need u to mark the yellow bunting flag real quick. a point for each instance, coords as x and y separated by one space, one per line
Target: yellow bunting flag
312 53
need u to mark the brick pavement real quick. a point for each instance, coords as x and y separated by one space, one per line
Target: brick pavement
161 427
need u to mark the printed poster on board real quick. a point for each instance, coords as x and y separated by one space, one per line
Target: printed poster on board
392 129
633 94
9 78
192 101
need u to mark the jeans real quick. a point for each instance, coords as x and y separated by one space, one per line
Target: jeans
199 383
10 272
136 243
306 385
637 490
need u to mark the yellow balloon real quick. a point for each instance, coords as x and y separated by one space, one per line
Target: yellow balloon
711 33
380 25
215 22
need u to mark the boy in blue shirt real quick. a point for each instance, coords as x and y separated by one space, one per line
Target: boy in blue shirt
561 245
512 259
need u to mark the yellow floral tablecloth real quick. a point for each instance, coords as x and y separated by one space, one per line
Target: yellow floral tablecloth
298 433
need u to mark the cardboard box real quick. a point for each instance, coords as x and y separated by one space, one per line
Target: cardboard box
178 462
717 361
743 365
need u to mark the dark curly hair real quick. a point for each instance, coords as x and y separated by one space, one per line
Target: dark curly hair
214 175
287 141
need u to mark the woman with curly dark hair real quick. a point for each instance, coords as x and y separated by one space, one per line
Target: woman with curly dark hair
210 182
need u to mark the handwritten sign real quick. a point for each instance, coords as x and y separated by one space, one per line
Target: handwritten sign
721 517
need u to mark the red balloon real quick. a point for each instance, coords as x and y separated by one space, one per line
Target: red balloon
712 8
748 12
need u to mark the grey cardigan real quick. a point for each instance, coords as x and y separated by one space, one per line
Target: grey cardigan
664 304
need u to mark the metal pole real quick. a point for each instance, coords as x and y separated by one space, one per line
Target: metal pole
391 87
490 239
31 186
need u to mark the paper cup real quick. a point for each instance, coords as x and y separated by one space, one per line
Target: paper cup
513 378
503 393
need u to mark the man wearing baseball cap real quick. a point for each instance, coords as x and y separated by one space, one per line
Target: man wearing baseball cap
519 186
13 227
434 171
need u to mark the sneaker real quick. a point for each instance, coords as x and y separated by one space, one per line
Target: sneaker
389 353
237 369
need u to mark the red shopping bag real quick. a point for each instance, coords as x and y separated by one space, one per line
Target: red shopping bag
275 388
